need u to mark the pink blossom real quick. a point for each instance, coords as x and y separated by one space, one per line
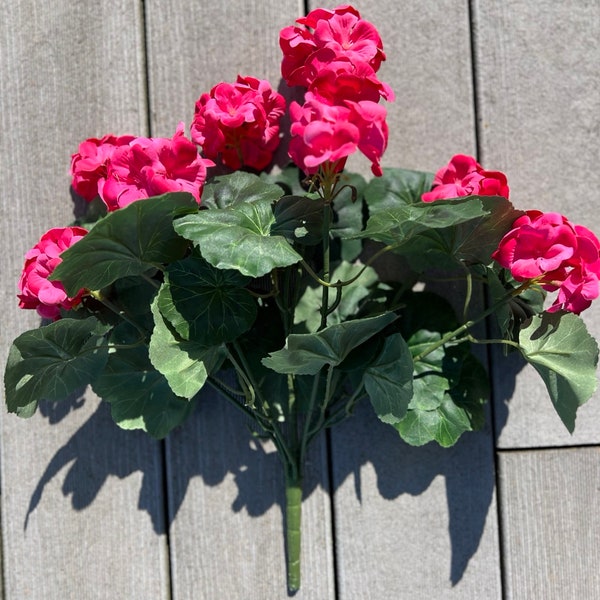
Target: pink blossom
326 133
369 118
335 82
464 176
336 56
576 291
239 123
153 166
321 133
48 297
89 165
338 34
548 248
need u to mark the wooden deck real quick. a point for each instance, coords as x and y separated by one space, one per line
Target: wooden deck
92 512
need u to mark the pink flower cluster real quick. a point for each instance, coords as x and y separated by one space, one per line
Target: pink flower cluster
464 176
239 122
544 247
557 254
35 291
89 165
335 54
124 169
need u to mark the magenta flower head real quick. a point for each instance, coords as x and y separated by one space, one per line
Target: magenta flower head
339 35
152 166
321 133
89 165
560 256
336 56
35 291
464 176
239 123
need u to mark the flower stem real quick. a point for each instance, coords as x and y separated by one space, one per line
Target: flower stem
326 261
451 335
293 515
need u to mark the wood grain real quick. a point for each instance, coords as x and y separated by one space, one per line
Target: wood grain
539 102
413 522
551 526
82 504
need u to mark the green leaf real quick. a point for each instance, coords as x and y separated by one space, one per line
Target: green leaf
562 351
431 379
53 361
444 425
299 219
225 191
401 224
449 391
239 238
474 241
204 304
397 186
185 365
472 391
128 241
140 396
348 206
306 354
450 386
388 380
516 310
471 241
426 311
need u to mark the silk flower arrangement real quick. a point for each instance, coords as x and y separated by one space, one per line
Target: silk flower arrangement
200 268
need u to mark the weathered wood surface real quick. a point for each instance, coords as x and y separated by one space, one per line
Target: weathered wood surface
538 87
82 502
551 522
89 511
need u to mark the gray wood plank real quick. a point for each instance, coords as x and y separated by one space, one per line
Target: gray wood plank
81 500
539 99
402 515
416 523
550 521
218 552
226 501
194 46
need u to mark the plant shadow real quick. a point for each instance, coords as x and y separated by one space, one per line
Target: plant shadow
217 443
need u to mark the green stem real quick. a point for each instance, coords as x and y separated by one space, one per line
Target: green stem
293 519
343 411
308 420
468 293
155 284
468 324
326 265
230 395
318 426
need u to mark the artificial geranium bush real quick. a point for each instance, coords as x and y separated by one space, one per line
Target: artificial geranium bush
303 285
